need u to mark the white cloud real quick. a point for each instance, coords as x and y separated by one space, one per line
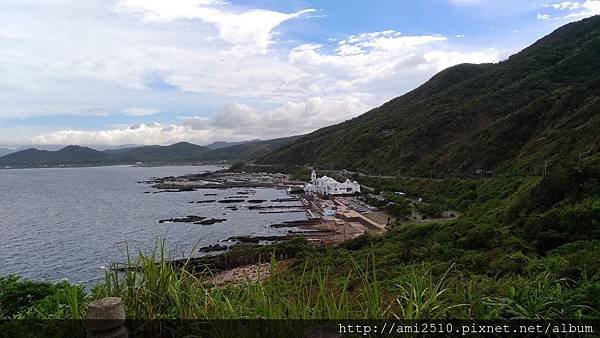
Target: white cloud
380 64
140 111
136 134
565 5
141 57
590 7
575 10
233 122
249 31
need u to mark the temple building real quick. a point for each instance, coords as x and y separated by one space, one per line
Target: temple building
327 186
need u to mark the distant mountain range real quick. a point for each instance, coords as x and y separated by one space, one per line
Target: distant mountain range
542 103
223 144
179 153
6 151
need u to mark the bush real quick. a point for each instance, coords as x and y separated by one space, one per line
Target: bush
40 300
17 295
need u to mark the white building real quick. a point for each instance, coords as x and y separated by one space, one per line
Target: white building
328 186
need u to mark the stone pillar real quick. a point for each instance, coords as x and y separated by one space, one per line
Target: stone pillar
106 318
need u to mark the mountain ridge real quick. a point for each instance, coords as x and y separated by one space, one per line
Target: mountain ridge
471 117
178 153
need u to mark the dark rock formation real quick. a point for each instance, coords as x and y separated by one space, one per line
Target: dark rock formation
194 220
231 201
291 199
188 219
213 248
211 221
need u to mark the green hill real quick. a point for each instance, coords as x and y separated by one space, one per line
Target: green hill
540 103
72 155
179 153
247 151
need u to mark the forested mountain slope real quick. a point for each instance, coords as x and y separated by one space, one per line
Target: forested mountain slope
540 103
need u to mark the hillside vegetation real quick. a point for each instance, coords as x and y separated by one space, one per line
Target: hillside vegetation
538 104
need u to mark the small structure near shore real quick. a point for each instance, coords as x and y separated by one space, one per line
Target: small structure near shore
328 186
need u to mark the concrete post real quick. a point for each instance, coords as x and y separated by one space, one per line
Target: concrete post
106 318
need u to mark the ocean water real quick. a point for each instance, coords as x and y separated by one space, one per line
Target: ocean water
71 222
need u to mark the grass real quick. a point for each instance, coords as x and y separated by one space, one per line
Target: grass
422 298
151 288
542 298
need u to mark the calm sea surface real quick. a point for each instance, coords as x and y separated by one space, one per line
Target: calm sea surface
71 222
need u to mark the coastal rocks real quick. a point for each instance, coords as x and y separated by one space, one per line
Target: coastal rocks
282 225
287 211
188 219
247 192
296 191
256 201
232 201
291 199
257 239
211 221
211 194
262 207
293 224
174 190
193 220
213 248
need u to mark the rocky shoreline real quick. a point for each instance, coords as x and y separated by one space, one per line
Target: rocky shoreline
241 252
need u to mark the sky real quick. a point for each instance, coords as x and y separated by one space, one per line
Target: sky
107 73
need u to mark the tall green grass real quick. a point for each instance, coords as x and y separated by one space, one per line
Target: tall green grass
541 298
151 288
421 297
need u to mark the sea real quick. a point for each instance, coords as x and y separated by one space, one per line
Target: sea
72 223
